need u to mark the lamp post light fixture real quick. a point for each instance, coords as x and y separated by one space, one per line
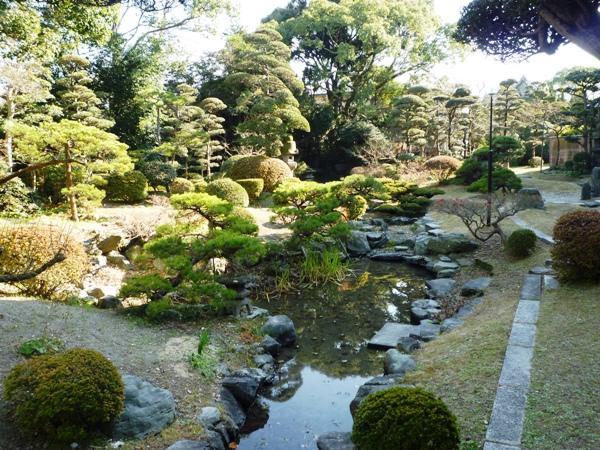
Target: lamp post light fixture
490 168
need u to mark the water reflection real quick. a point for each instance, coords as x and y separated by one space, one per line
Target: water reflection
333 325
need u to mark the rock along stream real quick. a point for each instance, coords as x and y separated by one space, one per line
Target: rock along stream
333 324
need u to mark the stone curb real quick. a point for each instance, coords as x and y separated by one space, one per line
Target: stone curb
505 428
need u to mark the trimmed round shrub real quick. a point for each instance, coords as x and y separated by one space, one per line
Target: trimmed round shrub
582 162
16 200
576 253
521 243
502 178
181 186
470 171
228 163
535 161
271 170
229 190
354 206
65 397
254 187
569 165
131 187
23 247
404 418
158 173
442 167
200 185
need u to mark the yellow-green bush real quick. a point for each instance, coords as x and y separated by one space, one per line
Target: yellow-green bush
273 171
254 187
521 243
404 418
229 190
131 187
29 246
87 197
65 397
181 186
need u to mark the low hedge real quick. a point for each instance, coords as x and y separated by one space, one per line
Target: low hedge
254 187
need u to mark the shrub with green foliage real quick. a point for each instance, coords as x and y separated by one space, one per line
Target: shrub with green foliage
406 199
158 173
229 190
521 243
442 167
535 161
40 346
507 148
65 397
403 418
17 200
30 246
582 162
576 253
181 186
470 171
254 187
367 187
131 187
229 162
502 178
87 197
271 170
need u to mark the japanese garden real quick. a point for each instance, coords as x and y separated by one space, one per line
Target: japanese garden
299 224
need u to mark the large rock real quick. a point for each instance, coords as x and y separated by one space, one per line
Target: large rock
220 428
424 309
595 181
358 244
475 287
271 346
244 389
396 363
109 244
440 287
233 408
376 384
148 410
443 244
115 259
335 441
281 328
109 302
530 198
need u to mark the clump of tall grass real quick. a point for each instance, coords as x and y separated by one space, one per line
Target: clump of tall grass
323 267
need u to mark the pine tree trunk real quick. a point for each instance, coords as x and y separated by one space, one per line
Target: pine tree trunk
10 107
69 183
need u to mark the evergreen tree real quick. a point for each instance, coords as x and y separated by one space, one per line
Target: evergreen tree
411 117
258 68
77 100
508 108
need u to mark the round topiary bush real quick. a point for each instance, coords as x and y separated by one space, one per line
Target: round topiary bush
273 171
442 167
65 397
254 187
229 190
535 161
576 253
131 187
26 247
521 243
181 186
158 173
404 418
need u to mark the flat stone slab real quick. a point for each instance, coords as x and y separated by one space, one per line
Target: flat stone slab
527 312
532 288
335 441
506 423
516 370
522 334
496 446
550 282
540 270
390 334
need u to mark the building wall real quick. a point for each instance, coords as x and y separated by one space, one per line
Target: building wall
568 149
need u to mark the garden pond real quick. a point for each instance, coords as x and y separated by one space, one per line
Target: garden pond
334 323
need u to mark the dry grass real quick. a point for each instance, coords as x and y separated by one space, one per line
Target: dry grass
463 366
563 405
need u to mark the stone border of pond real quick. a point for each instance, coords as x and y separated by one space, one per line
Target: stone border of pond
505 428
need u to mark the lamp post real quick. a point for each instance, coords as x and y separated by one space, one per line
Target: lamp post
490 165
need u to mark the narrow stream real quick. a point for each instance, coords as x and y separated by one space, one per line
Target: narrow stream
333 325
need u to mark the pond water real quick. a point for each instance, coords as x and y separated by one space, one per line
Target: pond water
333 324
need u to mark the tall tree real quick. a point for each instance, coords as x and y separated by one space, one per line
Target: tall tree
258 69
508 108
76 99
411 118
521 28
352 49
22 85
456 106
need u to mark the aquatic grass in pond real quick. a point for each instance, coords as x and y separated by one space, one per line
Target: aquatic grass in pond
283 281
323 267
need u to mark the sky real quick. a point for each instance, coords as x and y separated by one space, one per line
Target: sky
482 73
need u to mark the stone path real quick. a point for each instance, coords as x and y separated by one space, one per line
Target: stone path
506 423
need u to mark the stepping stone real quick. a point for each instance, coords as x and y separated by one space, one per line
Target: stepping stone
450 324
441 287
532 288
475 287
550 282
496 446
539 270
527 312
506 423
390 334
